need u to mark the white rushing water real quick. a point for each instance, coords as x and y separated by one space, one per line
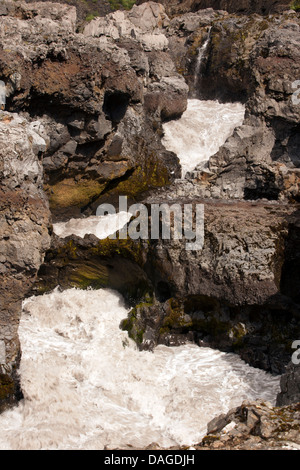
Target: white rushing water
195 137
100 226
202 129
86 385
200 56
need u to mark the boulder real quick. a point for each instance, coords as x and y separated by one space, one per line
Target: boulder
254 426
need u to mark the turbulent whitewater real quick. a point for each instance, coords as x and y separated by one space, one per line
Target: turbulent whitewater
202 129
86 386
100 226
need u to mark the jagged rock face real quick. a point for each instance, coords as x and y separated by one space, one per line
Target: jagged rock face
232 294
254 426
176 7
254 60
86 9
25 224
265 149
98 95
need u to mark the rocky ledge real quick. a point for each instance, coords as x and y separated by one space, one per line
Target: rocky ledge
238 293
179 7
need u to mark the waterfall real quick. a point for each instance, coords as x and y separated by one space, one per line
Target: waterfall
201 131
200 56
204 127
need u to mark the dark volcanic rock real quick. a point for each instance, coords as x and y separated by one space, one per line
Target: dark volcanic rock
290 383
252 59
93 104
228 295
91 90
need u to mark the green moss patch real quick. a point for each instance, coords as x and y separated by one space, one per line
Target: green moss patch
69 193
295 5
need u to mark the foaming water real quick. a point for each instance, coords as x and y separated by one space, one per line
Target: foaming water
202 129
100 226
86 386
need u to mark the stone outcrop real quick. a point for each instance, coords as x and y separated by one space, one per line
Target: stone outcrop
99 96
232 294
92 263
25 225
254 426
85 10
179 7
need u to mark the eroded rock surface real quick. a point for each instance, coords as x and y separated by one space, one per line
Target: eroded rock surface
255 426
97 94
178 7
25 225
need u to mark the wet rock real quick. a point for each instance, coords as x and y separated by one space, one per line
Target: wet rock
92 263
164 98
229 295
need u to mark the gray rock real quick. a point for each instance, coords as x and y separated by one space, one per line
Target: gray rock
290 386
253 426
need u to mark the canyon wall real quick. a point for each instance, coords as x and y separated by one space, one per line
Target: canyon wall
91 105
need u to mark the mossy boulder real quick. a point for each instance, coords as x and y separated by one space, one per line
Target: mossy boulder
72 194
93 263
